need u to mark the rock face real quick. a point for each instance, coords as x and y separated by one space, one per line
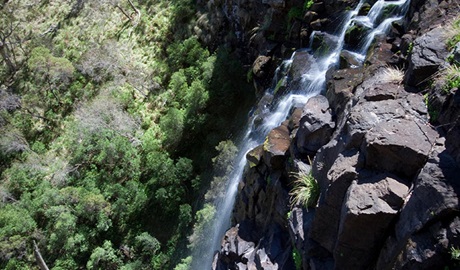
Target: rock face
428 54
388 177
316 125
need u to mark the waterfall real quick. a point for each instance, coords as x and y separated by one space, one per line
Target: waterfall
312 83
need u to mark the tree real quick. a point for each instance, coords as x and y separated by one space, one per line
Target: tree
104 258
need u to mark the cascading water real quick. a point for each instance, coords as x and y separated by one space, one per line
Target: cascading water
312 83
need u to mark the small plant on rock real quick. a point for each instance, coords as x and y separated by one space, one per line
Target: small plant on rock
305 191
392 74
452 75
455 253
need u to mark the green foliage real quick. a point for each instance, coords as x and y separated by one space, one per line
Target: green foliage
455 253
204 218
452 78
297 258
147 245
305 191
16 231
454 30
184 264
223 165
104 257
111 114
308 4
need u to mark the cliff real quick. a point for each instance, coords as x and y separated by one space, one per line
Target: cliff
381 143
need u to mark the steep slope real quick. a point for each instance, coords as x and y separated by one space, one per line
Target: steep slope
384 157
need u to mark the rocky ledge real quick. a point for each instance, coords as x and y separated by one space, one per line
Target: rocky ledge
388 174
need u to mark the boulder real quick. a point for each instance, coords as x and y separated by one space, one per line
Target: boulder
370 207
341 85
300 65
355 34
276 146
254 156
261 66
428 55
322 43
399 146
316 125
348 59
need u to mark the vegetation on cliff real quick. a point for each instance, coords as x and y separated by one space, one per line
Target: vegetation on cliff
103 105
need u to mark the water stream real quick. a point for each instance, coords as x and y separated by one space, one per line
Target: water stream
312 83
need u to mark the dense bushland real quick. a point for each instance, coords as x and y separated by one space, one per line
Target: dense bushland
110 114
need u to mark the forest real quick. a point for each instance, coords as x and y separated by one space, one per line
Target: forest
114 122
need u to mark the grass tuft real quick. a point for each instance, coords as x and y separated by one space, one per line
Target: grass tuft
392 74
305 191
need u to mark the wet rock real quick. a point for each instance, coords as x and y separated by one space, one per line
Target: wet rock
301 65
348 59
428 54
364 9
254 156
341 85
355 34
316 125
234 247
399 146
322 42
369 208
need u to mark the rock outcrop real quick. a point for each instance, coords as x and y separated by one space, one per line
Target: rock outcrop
387 175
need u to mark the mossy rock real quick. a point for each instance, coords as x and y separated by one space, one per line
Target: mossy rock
355 34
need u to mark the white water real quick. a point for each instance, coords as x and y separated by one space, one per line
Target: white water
312 83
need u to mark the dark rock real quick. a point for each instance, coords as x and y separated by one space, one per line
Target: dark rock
316 125
318 24
341 86
322 42
366 115
428 224
274 3
301 64
369 208
399 146
452 141
355 34
234 247
294 119
310 16
327 218
406 44
348 59
318 7
364 9
428 55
